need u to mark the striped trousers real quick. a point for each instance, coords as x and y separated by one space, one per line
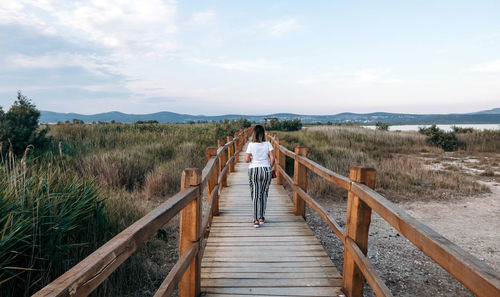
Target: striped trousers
259 180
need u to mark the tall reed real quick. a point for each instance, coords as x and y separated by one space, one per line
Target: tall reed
50 220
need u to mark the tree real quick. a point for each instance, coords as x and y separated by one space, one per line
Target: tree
19 126
291 125
274 124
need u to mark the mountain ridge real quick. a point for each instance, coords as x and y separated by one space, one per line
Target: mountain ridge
485 116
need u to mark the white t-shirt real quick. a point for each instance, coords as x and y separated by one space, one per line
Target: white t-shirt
260 154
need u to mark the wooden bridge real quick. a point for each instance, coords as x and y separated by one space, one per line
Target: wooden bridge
222 254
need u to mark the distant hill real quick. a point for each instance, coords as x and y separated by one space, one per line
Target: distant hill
490 111
486 117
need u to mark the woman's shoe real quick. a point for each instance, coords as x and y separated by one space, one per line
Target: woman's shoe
262 221
256 224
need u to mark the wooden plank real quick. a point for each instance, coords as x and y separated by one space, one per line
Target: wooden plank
251 231
270 220
267 244
313 264
269 275
267 259
237 295
312 247
292 291
269 282
266 269
269 224
263 228
305 238
257 253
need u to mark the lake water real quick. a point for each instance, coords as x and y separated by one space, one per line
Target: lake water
442 127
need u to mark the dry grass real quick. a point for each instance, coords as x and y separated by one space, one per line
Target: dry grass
397 157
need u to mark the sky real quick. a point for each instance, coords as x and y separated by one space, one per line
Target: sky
251 57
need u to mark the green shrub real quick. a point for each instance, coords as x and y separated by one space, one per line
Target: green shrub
382 126
285 125
462 130
19 127
448 141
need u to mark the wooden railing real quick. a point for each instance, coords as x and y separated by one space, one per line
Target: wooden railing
194 227
362 199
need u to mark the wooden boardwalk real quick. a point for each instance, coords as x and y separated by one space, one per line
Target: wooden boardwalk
281 258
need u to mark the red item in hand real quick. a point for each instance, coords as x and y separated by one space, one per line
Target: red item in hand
274 174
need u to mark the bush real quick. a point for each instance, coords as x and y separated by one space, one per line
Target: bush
19 127
382 126
462 130
448 141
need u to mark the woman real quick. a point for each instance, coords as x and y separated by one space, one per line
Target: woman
260 155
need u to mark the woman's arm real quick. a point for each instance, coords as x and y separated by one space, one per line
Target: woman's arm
248 157
272 159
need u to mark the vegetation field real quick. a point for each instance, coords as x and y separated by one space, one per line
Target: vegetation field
404 160
60 202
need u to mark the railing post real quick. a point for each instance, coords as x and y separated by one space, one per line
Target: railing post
222 163
357 226
300 179
236 147
189 233
212 182
230 153
281 159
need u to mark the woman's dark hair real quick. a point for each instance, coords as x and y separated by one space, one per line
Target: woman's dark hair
259 134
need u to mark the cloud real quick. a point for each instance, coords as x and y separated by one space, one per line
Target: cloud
239 65
201 18
278 27
91 63
133 27
366 76
375 76
491 66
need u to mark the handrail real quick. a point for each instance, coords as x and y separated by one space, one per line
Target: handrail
325 173
481 279
85 276
208 215
315 205
478 277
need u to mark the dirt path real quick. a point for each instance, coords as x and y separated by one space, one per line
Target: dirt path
471 223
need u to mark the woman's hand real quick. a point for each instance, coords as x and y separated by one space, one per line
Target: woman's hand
248 157
272 159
